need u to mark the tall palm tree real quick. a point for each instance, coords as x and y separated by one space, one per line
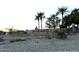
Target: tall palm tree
62 11
41 17
37 18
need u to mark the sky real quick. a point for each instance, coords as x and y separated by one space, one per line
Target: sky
21 13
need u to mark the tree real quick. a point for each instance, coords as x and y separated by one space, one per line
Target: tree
72 19
76 10
37 18
48 22
62 11
53 21
41 17
75 16
11 30
67 21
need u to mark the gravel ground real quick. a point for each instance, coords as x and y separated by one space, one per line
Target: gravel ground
42 45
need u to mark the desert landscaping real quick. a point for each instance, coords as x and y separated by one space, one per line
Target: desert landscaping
61 33
39 44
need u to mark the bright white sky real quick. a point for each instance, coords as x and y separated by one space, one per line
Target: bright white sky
21 13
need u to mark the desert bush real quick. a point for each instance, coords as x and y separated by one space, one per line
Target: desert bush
49 36
61 35
12 41
17 40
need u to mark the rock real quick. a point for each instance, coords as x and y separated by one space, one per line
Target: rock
1 40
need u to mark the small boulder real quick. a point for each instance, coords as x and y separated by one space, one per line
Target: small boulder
1 39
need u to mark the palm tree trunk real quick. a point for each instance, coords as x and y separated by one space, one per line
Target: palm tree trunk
41 24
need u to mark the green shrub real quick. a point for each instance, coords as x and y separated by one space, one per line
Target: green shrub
61 35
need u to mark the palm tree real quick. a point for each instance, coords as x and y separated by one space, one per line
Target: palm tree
76 10
62 10
37 18
41 17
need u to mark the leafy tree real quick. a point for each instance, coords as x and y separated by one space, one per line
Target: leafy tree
67 21
11 30
53 21
72 18
75 16
48 22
